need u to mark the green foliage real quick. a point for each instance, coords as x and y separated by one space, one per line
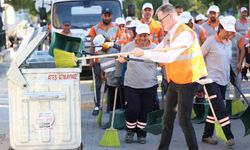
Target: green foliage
195 6
23 4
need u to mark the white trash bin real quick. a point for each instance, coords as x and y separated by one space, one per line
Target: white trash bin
44 105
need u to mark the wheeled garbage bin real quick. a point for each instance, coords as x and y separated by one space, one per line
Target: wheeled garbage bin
44 102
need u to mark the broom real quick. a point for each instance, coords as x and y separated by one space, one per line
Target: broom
99 116
68 59
218 129
111 137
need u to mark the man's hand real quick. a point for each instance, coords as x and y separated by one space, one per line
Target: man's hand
137 52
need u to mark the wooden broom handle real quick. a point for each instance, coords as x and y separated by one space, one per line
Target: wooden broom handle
104 56
128 53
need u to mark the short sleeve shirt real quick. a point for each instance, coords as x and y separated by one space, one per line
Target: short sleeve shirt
218 60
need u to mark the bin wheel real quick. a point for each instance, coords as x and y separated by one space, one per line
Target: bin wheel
80 147
10 148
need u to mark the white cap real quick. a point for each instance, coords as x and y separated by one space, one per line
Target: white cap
147 5
228 23
98 41
213 8
128 18
142 28
200 17
185 17
133 23
243 9
120 21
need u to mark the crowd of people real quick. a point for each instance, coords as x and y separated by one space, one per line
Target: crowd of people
188 49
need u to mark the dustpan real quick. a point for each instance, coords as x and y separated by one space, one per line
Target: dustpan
201 110
119 116
66 43
154 122
235 107
245 117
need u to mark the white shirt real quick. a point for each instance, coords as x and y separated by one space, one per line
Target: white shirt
184 39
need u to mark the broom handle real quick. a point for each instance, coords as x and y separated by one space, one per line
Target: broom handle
104 56
128 53
114 104
93 73
210 104
104 91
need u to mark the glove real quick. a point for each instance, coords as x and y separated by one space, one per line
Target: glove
118 81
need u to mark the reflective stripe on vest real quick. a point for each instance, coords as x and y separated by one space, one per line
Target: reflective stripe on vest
190 65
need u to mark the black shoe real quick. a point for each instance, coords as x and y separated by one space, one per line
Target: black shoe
95 111
230 142
142 140
129 138
210 140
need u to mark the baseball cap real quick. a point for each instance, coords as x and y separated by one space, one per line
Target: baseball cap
120 21
228 23
185 17
134 23
213 8
128 18
243 9
200 17
142 28
98 41
106 10
147 5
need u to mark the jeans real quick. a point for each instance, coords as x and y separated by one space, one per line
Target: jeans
181 95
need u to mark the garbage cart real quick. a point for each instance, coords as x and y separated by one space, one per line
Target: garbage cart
44 101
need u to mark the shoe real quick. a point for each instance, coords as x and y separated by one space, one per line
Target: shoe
230 142
245 78
129 137
210 140
95 111
142 140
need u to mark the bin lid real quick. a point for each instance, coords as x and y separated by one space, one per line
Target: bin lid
26 51
14 74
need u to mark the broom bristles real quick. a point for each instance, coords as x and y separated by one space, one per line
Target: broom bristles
99 118
110 138
219 132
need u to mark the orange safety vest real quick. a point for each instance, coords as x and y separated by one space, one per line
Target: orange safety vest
190 65
155 29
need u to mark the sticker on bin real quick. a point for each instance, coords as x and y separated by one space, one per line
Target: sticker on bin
45 120
62 76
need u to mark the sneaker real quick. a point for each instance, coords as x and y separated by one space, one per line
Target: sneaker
129 137
230 142
95 111
210 140
142 140
245 78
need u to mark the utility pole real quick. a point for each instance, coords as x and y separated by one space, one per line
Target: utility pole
167 1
